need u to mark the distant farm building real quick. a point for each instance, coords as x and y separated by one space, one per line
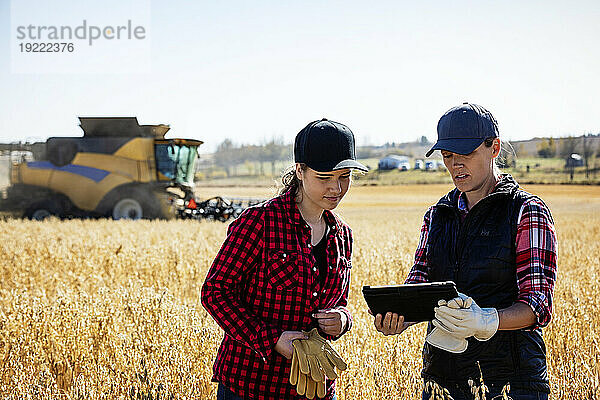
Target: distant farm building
394 162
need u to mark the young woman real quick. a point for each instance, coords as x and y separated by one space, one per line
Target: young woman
284 268
498 244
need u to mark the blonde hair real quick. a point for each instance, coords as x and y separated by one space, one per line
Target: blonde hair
503 155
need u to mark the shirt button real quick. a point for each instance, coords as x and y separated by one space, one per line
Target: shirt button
333 228
331 267
309 245
314 294
283 255
315 269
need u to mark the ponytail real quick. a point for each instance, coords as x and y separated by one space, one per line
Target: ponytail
503 156
290 180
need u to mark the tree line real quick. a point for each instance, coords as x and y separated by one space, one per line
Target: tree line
587 146
230 155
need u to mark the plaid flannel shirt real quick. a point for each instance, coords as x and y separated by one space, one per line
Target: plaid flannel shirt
536 249
263 281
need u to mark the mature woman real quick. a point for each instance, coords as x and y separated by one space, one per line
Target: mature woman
498 244
284 268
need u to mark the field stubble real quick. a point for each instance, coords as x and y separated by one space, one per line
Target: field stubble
104 309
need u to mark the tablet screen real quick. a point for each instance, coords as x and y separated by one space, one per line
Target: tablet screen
414 301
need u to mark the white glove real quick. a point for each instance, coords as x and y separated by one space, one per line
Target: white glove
482 323
444 340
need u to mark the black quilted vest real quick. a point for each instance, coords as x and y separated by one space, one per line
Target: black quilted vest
479 255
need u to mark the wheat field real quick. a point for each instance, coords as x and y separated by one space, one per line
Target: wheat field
111 309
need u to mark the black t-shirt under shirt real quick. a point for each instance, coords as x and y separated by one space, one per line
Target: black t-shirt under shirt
319 251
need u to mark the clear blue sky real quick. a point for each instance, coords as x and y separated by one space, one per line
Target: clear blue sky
251 70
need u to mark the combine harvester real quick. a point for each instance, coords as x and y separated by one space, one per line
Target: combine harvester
118 169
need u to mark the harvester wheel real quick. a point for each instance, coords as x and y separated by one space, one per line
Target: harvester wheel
42 210
40 214
128 208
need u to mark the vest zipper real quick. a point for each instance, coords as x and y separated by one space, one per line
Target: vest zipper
462 229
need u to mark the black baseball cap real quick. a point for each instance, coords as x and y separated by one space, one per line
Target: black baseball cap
326 145
462 129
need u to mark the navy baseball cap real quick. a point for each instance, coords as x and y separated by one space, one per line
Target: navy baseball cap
462 129
325 145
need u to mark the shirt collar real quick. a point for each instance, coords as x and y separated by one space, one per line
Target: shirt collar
462 202
462 197
330 218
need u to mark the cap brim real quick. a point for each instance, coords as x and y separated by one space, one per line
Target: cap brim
458 146
350 164
341 165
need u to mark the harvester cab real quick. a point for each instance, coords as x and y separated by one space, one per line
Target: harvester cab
118 169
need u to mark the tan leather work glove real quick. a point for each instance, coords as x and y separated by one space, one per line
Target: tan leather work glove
305 385
317 357
444 340
314 360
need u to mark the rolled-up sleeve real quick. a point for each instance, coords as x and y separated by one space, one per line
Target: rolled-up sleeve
536 247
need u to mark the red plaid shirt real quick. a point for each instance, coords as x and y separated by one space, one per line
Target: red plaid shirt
536 248
264 281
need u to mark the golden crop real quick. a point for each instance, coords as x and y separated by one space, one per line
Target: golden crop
111 309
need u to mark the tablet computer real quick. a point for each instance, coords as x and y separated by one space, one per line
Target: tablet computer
414 301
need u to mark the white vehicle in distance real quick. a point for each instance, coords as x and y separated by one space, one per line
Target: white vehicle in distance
390 162
431 165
